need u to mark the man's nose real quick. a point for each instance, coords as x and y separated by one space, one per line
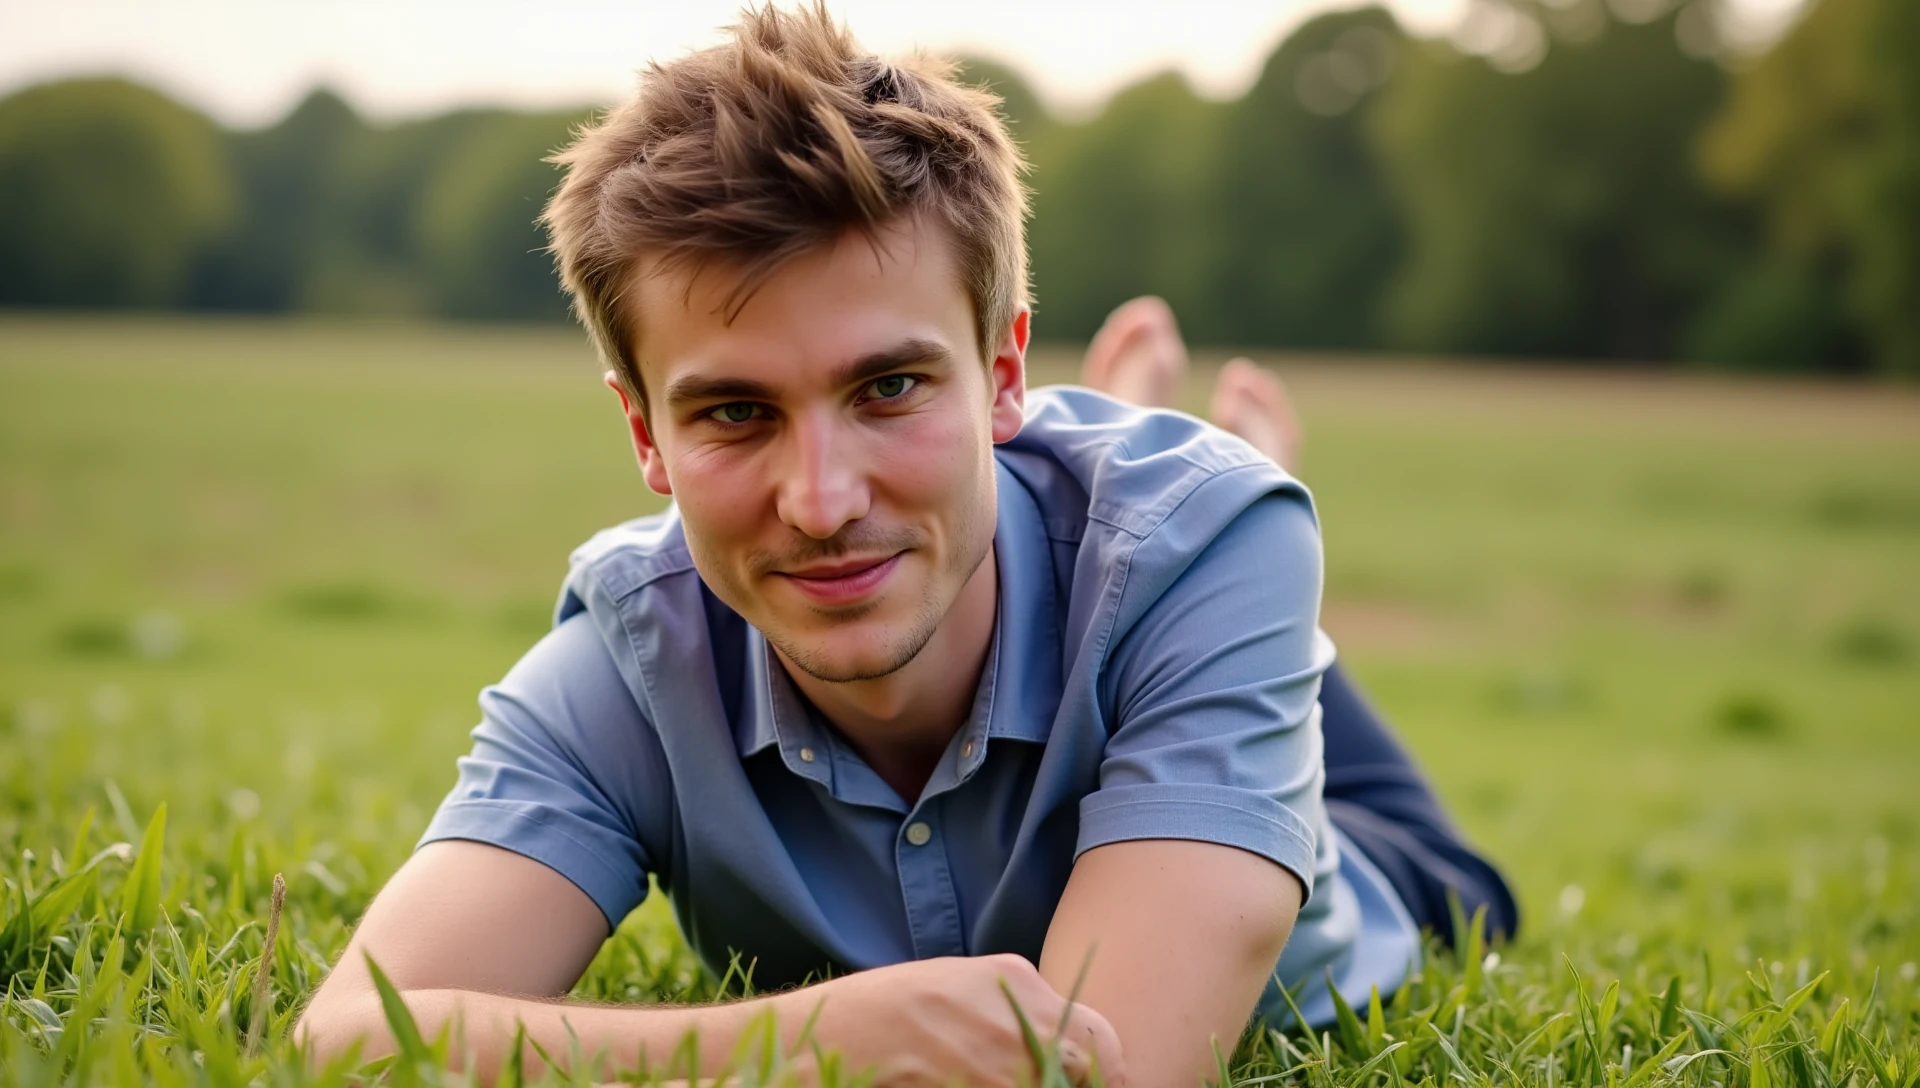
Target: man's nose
823 486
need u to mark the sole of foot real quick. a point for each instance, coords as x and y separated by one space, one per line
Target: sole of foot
1137 356
1250 402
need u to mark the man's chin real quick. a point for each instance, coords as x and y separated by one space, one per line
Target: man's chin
835 665
848 654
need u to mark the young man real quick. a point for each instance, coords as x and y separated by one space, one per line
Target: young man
942 690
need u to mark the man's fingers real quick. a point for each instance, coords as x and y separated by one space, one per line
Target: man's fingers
1104 1043
1087 1040
1076 1063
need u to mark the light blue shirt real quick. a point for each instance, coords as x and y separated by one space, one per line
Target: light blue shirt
1154 674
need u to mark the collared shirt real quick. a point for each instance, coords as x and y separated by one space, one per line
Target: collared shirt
1153 674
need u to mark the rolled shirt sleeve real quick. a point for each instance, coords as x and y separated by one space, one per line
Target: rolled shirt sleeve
1214 691
565 770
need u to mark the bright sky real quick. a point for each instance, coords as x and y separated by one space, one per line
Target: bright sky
248 61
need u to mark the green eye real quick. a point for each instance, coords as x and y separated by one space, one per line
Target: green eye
891 386
734 413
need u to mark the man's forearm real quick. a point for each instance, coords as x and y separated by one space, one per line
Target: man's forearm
924 1021
611 1039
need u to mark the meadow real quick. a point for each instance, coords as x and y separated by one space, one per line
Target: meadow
1656 636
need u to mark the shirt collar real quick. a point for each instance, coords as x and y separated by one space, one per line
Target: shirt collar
1019 687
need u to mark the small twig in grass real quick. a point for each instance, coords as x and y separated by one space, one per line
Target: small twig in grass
262 977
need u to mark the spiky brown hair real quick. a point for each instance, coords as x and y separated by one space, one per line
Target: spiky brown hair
779 140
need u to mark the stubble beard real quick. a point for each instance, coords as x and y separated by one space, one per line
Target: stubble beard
924 625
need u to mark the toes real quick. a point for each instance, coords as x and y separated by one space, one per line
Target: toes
1249 379
1129 321
1137 354
1252 403
1144 308
1236 380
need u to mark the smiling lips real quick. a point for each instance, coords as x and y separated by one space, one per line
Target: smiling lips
842 583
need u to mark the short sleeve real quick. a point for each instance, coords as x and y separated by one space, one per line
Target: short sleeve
1215 695
565 770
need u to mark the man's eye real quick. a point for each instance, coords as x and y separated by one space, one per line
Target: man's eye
736 414
891 386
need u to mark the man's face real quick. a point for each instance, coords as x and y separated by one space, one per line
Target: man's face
830 448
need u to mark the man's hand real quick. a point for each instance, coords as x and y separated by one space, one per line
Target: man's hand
476 935
951 1020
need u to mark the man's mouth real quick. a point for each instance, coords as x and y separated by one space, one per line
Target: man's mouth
845 582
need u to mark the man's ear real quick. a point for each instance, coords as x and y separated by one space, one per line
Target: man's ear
1007 375
653 468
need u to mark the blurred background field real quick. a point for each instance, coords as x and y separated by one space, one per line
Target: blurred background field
1657 636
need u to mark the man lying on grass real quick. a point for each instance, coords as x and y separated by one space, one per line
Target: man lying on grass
936 689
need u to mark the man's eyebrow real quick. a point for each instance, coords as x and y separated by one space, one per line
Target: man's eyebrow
698 387
914 351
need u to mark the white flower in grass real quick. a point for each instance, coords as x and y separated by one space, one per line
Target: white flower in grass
243 803
157 636
1572 898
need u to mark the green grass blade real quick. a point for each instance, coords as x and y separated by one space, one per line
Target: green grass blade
1791 1005
1669 1021
1453 1056
410 1046
1880 1064
1353 1037
80 836
1830 1035
1657 1061
1045 1057
140 899
1376 1022
1474 965
1609 1004
1588 1019
58 902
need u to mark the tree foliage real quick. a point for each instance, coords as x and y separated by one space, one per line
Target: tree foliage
1554 212
1312 232
1823 136
1119 208
478 241
1566 178
109 194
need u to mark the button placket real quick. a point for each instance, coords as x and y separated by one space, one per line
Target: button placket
927 888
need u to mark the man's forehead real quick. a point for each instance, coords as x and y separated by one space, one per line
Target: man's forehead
821 308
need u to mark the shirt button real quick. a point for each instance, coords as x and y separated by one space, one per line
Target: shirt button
806 755
919 834
966 749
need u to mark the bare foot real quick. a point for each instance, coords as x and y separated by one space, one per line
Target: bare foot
1137 356
1252 403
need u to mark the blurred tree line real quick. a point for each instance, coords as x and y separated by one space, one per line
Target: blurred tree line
1561 179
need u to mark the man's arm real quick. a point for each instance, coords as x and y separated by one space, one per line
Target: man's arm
482 937
475 933
1198 849
1177 939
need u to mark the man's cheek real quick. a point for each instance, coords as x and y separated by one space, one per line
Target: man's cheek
934 458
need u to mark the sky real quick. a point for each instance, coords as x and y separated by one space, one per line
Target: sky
248 61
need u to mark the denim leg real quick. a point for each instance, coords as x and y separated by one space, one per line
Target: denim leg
1379 799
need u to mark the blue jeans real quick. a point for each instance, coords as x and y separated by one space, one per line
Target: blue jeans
1380 800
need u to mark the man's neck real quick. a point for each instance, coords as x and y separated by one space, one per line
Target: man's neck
901 723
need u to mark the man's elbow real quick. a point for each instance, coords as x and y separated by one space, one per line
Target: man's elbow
1264 926
1262 938
332 1024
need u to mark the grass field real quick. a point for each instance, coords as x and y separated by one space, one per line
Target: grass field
1658 639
